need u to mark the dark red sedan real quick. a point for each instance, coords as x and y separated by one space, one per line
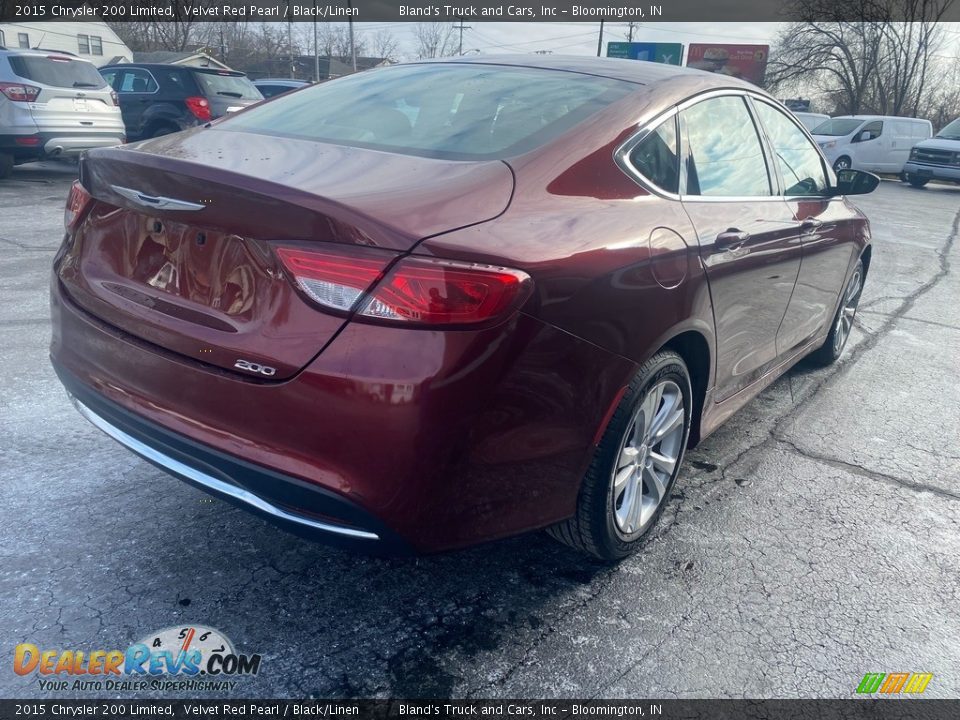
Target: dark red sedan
440 303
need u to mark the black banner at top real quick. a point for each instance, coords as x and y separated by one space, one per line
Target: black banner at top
648 11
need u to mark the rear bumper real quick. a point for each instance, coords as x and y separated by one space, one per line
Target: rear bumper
934 172
302 508
431 443
41 145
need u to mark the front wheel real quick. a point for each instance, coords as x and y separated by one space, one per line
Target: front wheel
832 347
636 463
916 181
842 163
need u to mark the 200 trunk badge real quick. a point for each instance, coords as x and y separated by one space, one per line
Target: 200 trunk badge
156 202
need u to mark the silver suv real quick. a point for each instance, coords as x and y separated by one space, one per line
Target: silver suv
53 105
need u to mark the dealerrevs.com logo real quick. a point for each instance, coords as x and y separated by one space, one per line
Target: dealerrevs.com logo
894 683
176 658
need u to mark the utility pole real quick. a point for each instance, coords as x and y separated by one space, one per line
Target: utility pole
223 47
316 48
630 31
600 41
353 47
293 68
461 27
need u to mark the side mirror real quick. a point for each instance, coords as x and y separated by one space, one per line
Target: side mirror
855 182
865 135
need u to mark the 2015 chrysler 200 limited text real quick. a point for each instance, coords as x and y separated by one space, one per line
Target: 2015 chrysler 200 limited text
439 303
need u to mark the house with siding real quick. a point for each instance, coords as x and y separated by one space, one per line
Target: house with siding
93 40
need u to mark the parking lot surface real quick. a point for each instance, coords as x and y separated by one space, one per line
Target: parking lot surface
814 538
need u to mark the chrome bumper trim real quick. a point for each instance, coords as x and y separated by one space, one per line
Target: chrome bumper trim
214 484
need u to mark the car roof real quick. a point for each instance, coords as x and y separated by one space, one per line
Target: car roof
636 71
878 117
22 52
281 81
167 66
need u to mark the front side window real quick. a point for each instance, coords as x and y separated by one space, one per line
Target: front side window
656 157
875 130
453 111
797 158
724 156
83 42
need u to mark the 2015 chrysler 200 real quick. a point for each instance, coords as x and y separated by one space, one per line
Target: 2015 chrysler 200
445 302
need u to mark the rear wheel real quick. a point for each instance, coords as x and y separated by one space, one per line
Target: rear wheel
163 130
636 463
842 321
6 166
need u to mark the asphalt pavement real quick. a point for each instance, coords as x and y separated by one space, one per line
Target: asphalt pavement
814 538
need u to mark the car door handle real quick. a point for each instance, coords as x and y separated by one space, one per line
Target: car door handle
731 239
811 223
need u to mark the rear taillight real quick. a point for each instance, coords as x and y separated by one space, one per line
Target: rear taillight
200 107
417 291
115 98
19 92
77 202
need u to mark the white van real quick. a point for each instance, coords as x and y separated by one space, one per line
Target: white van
875 143
811 120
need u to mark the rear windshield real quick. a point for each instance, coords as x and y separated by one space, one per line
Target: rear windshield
57 71
449 111
215 84
837 127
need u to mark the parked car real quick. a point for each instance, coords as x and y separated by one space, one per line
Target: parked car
53 105
937 158
875 143
516 312
159 99
811 120
271 87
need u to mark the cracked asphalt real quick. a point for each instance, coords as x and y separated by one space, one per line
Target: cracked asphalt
812 539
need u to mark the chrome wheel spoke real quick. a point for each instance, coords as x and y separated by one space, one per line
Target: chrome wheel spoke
663 463
648 458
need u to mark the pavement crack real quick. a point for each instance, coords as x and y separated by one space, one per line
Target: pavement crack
861 471
24 246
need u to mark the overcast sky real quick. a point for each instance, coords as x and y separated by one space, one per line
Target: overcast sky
581 38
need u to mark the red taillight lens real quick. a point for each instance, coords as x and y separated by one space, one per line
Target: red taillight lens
77 202
440 292
31 141
200 108
421 291
332 279
19 92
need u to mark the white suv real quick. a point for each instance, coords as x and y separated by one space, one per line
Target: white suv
53 105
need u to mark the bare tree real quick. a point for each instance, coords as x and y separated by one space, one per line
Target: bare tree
881 61
384 45
435 39
180 33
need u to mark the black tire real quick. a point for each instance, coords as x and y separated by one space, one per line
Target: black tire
6 166
832 347
917 182
594 527
164 129
842 163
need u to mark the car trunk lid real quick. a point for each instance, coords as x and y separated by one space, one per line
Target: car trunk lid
177 247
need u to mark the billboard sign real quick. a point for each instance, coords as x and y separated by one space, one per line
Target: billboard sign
669 53
742 61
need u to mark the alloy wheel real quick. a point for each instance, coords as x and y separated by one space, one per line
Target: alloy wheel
648 458
848 310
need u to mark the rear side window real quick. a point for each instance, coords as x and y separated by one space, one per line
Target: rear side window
174 80
57 72
136 80
215 84
724 154
455 111
656 156
798 160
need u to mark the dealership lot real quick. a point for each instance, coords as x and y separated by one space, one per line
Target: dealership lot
814 538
